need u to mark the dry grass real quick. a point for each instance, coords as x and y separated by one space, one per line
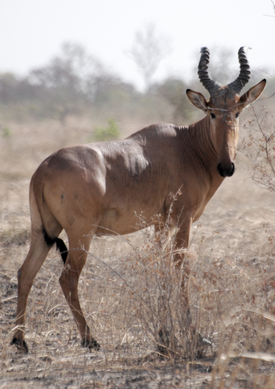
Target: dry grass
231 287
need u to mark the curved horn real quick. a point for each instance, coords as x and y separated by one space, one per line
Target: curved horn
209 84
244 75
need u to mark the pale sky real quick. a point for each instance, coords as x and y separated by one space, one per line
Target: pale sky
32 31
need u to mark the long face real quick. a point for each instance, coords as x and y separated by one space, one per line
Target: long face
223 111
224 108
224 123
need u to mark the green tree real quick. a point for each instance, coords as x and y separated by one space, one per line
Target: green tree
109 133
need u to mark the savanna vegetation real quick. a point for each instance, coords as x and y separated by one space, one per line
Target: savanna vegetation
231 260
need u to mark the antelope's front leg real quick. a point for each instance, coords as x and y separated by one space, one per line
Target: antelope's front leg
197 343
166 341
183 267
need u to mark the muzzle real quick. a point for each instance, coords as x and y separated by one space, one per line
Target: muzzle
227 171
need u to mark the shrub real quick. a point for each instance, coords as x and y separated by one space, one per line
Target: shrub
109 133
259 147
6 132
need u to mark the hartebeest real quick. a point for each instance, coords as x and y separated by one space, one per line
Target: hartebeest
100 187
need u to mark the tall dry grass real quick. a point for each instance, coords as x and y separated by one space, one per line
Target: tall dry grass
129 290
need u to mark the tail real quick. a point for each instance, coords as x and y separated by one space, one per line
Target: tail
40 212
60 245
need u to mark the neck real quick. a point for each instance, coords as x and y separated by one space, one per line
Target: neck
198 142
198 139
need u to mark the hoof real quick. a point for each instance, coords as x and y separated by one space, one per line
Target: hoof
21 345
90 344
202 345
164 342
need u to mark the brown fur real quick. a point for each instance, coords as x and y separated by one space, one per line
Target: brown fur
100 188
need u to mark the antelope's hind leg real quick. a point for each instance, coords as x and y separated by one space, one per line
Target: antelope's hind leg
26 274
69 278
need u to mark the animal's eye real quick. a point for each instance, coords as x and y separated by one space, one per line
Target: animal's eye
237 114
212 115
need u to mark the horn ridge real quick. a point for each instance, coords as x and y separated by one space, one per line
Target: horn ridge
244 75
204 77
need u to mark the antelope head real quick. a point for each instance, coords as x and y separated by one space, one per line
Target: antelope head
223 109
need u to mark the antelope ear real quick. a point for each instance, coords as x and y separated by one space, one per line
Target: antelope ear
197 99
252 94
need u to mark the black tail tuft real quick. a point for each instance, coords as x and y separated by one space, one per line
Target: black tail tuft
60 245
50 241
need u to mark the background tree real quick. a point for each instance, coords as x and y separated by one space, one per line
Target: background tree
173 90
66 81
259 143
148 50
